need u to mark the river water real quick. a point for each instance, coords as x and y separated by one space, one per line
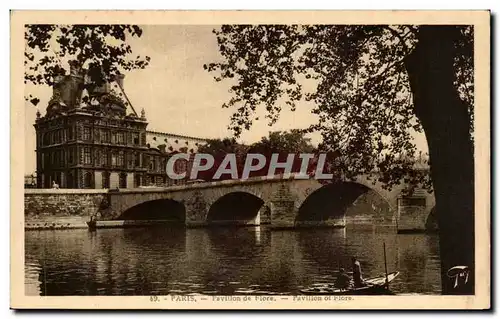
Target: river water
245 260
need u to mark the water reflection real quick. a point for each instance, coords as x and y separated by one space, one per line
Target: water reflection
165 260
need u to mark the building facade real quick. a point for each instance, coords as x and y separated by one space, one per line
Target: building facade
93 140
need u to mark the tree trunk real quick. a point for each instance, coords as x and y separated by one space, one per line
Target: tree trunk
445 119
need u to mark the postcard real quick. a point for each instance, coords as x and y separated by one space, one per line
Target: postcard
250 160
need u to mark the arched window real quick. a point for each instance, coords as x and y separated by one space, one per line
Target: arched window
123 180
137 180
105 179
70 181
87 180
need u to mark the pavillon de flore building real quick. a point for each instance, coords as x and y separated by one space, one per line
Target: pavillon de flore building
98 140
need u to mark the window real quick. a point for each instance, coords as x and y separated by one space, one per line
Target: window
113 159
121 159
159 180
137 180
86 133
70 133
70 181
61 160
105 179
130 160
123 180
136 138
70 156
137 160
105 136
87 180
98 155
46 139
121 138
105 159
152 163
113 138
87 155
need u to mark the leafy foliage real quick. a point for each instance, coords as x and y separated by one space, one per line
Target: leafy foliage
283 142
101 49
359 86
221 146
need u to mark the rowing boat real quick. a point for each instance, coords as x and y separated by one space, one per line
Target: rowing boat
92 225
374 286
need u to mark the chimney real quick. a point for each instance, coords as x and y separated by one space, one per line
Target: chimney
75 68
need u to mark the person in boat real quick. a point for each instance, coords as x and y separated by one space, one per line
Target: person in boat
343 280
356 273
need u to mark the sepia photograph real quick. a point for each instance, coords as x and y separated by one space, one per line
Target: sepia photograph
230 160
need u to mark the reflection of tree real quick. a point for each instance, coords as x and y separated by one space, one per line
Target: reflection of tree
419 256
224 257
328 249
235 242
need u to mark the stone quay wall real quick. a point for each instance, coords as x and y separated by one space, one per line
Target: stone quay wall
60 208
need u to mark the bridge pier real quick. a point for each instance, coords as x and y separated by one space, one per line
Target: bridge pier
283 214
265 214
196 210
283 208
412 213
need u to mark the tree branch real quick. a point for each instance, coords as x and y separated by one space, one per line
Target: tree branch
400 37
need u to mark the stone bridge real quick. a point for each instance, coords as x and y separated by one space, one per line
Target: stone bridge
279 202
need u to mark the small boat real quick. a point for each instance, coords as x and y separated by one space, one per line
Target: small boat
375 286
92 224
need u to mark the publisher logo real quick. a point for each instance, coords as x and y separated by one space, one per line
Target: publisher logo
460 274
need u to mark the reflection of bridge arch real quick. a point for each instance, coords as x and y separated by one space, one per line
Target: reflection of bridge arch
237 207
332 203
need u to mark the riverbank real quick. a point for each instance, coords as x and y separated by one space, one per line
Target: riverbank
62 223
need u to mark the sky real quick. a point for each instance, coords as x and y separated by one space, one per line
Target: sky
177 94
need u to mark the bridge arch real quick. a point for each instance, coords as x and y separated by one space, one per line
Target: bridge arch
164 209
334 204
235 208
